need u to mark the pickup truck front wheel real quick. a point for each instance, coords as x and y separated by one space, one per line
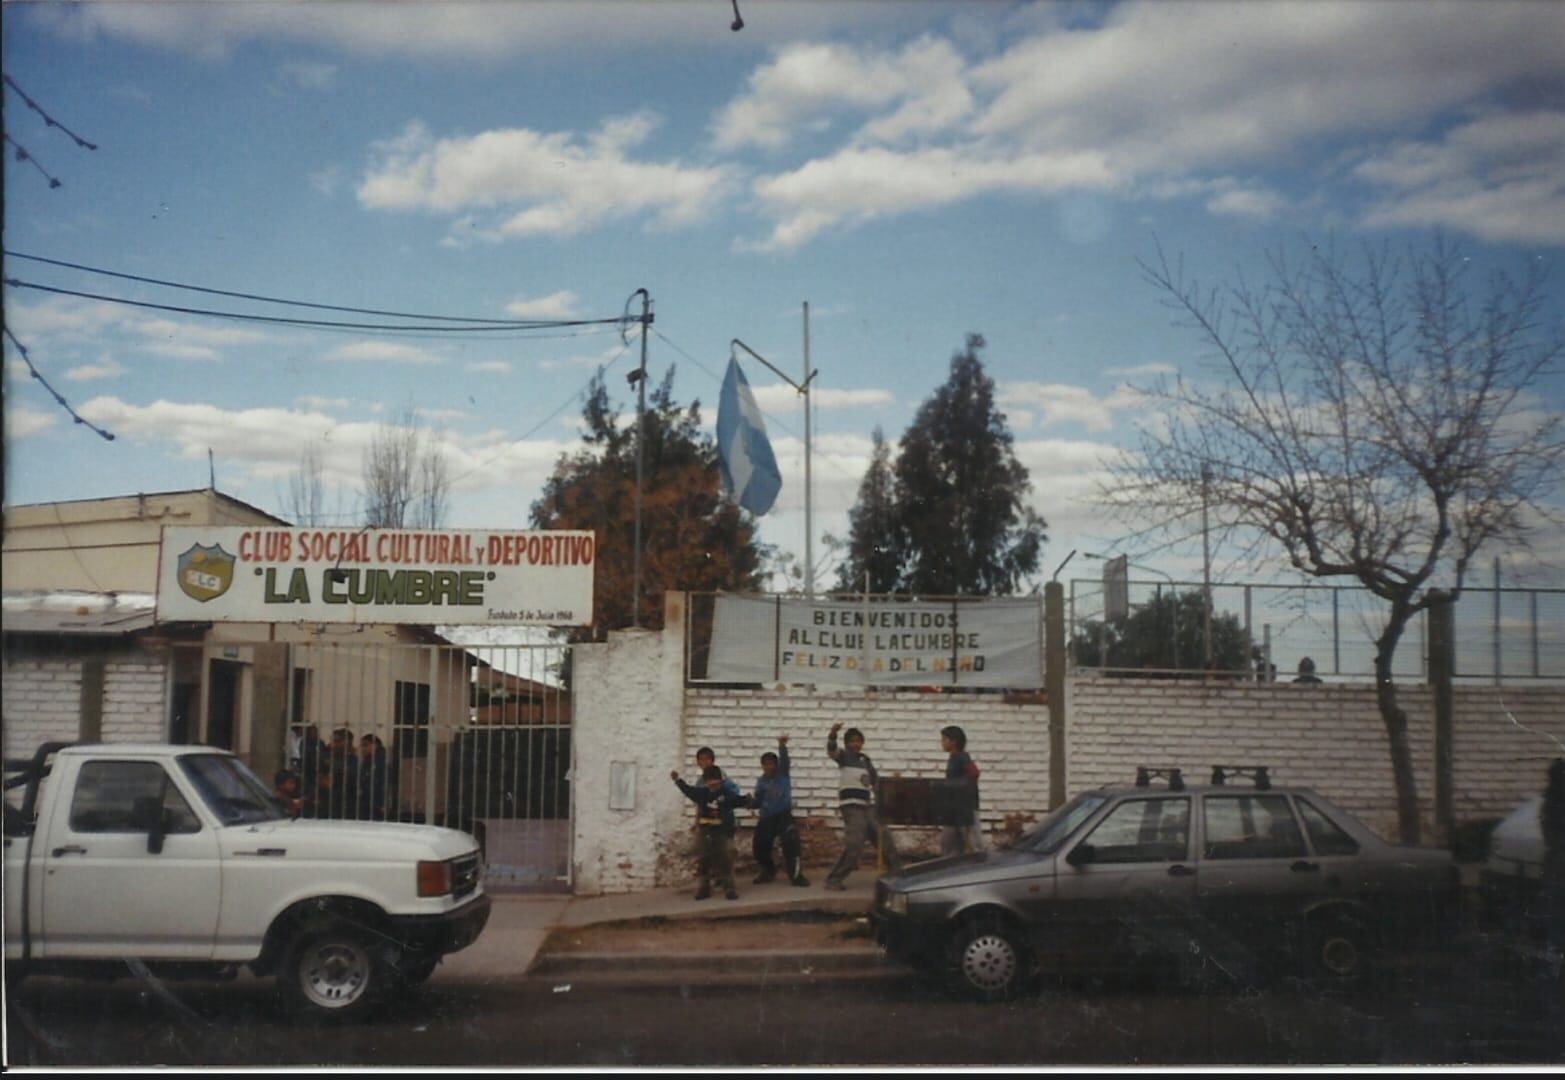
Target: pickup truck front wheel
333 971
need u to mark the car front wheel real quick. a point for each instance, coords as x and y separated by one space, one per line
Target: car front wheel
990 960
334 971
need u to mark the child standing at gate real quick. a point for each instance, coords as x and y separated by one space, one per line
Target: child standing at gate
856 782
961 769
773 801
715 801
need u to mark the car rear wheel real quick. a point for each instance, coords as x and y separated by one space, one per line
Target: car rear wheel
1336 952
334 971
989 958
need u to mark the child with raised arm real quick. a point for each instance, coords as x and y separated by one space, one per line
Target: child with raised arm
856 781
773 800
715 800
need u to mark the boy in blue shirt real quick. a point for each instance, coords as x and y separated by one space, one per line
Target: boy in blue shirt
963 770
715 800
773 800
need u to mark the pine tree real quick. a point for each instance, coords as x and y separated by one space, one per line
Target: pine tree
961 494
874 546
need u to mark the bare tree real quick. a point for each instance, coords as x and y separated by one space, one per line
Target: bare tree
306 500
405 475
1377 418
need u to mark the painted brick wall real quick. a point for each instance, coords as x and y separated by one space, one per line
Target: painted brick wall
1327 737
134 698
41 702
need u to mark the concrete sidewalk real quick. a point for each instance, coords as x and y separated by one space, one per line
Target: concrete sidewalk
519 923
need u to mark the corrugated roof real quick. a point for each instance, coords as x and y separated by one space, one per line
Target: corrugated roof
76 622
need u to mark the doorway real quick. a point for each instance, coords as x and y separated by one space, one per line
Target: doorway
223 682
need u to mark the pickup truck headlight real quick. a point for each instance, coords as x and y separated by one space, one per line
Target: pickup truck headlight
434 878
896 903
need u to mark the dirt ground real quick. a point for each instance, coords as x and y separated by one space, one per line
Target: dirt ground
739 933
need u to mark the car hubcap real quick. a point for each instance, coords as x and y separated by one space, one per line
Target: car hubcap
1339 955
335 975
989 962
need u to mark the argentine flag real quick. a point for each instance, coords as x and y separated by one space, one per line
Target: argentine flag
745 454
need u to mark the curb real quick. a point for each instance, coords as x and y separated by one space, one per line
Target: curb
732 961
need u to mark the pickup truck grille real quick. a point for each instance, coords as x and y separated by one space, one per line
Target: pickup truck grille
464 874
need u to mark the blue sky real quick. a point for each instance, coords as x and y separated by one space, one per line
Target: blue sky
913 171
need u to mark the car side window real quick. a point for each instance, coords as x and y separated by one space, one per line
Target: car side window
1143 830
1326 836
1251 827
107 792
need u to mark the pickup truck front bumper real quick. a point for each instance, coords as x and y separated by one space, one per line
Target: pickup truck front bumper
448 932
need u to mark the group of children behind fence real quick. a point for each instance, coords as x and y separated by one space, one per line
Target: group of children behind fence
717 797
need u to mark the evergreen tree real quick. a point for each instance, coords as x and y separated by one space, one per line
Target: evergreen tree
961 494
1165 634
874 545
692 537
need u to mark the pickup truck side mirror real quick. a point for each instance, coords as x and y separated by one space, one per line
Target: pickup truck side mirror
148 813
1082 854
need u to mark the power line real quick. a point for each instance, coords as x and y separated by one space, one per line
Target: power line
66 405
47 119
520 324
22 154
288 321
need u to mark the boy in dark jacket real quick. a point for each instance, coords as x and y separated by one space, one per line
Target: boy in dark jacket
962 770
715 800
856 781
773 800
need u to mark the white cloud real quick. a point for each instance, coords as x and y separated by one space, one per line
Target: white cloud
777 397
327 180
1057 403
105 369
557 305
516 182
496 367
386 351
308 75
1246 202
20 421
1141 370
1498 177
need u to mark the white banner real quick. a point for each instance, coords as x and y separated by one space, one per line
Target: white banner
997 643
278 574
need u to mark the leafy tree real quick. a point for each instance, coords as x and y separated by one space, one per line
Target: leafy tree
961 495
874 545
1376 420
692 537
1165 633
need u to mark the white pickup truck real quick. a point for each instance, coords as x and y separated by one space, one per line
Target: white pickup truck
179 859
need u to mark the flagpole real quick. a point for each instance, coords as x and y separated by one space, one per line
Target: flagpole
809 535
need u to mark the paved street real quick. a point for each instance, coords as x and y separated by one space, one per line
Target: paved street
1479 1015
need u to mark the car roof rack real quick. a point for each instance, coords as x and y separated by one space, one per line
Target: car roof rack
1260 774
1144 775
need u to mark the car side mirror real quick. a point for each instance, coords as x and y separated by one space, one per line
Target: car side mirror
148 813
1082 854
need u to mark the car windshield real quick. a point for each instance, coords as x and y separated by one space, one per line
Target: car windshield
1052 831
233 792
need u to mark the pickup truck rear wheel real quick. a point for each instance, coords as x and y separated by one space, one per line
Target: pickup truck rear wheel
334 971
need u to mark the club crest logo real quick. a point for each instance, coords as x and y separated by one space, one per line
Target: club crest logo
205 573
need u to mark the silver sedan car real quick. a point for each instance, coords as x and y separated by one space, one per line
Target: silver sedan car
1238 876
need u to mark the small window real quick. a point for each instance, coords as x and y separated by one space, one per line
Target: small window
1143 830
1252 827
1326 836
107 793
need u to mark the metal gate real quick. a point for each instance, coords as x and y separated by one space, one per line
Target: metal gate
476 738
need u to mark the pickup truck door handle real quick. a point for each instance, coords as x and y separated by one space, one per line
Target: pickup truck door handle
68 849
1304 866
1180 870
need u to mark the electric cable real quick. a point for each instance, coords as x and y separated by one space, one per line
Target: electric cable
66 405
47 119
527 324
22 154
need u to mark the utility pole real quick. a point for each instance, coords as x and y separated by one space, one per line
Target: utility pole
1206 573
639 377
809 535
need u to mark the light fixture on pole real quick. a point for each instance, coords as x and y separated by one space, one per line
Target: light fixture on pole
803 389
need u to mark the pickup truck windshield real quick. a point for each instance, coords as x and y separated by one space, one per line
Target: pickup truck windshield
1054 830
233 792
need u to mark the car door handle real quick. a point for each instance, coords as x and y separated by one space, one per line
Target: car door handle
1303 866
69 849
1179 870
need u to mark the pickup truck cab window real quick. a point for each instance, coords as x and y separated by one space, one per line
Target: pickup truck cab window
107 793
230 789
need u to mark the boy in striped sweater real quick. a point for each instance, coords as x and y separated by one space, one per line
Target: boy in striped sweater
856 792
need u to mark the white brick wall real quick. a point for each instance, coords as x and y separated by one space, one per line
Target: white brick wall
135 708
41 702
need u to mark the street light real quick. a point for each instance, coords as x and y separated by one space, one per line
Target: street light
1173 593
